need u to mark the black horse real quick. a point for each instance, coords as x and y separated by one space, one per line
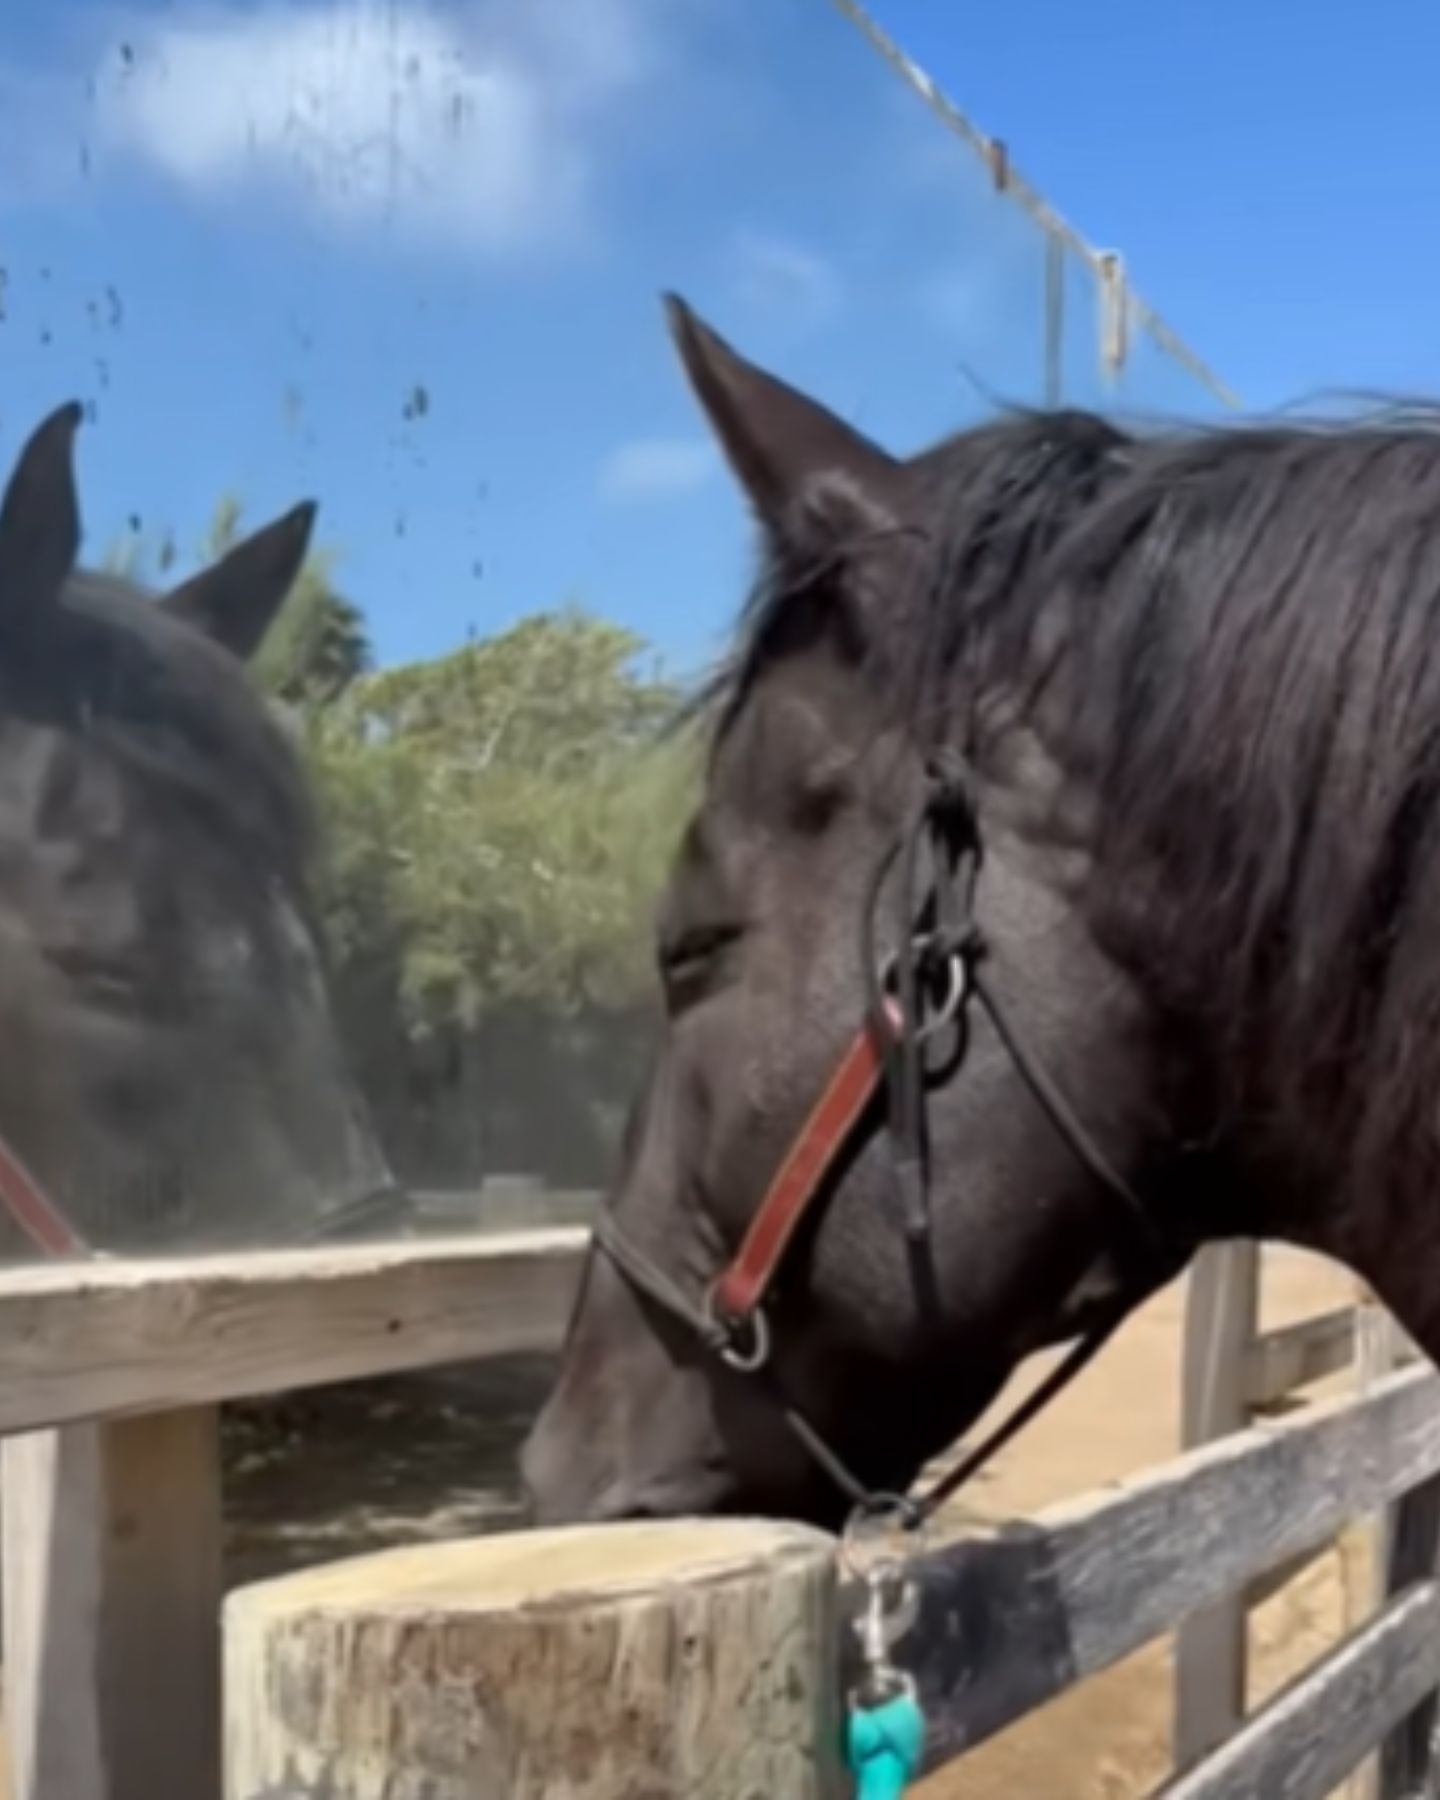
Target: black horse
169 1074
1163 716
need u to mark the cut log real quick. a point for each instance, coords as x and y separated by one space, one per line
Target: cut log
662 1660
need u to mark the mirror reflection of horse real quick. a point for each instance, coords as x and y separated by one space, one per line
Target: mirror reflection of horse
169 1074
1193 684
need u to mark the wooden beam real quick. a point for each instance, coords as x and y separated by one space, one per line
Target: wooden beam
112 1592
1221 1310
1304 1743
1278 1362
128 1337
1011 1617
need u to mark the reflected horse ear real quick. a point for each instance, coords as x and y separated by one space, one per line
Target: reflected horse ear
235 600
802 467
40 520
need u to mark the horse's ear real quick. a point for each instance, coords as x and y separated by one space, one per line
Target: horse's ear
40 520
786 449
236 599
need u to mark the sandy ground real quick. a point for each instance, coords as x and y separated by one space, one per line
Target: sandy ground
351 1471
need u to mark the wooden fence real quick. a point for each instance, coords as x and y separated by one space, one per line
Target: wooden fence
1233 1374
113 1378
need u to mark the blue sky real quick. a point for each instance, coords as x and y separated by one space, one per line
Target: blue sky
405 258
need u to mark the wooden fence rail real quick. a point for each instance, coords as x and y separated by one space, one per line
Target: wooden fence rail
1315 1733
1234 1373
1010 1618
112 1511
1295 1356
112 1523
130 1337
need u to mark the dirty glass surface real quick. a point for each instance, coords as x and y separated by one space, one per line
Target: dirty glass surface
402 261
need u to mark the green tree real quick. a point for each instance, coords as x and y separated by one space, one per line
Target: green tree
500 818
498 823
496 826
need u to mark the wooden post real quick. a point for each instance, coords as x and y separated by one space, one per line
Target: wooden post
1221 1312
1406 1552
1364 1543
694 1659
1410 1755
112 1589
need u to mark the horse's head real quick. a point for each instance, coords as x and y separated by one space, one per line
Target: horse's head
168 1067
815 773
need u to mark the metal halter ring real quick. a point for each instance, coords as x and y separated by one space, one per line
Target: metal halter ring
874 1515
729 1334
957 986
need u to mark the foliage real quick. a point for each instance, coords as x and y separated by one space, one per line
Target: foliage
499 822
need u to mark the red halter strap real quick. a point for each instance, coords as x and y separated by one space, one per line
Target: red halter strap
743 1286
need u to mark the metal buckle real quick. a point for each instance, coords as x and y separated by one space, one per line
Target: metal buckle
733 1352
892 1599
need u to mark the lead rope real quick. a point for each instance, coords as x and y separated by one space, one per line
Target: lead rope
884 1745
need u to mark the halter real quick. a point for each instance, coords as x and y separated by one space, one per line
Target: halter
32 1209
922 989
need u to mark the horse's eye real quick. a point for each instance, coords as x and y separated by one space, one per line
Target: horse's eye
688 961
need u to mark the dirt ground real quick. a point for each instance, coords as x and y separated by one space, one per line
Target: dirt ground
349 1472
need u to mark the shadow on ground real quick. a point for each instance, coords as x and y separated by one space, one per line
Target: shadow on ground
345 1470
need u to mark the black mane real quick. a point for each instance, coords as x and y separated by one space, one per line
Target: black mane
1233 636
1235 642
1249 623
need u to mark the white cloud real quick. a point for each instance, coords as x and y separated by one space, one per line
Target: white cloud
478 130
778 273
656 468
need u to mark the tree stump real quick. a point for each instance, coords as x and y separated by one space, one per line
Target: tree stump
623 1662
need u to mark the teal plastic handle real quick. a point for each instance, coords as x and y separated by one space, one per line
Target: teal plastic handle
884 1745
